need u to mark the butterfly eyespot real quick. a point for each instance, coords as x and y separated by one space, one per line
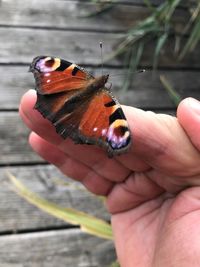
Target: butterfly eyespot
47 64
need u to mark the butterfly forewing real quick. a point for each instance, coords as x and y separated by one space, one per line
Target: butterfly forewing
54 75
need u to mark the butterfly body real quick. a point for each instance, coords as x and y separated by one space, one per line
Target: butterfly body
79 105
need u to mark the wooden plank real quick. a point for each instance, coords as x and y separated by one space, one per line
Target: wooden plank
70 15
13 140
78 46
18 215
81 47
184 3
55 248
15 81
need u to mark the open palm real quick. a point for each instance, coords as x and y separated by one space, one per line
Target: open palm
152 191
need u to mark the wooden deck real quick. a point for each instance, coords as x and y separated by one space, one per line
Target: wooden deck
29 237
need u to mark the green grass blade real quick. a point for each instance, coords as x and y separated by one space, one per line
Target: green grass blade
193 39
172 6
150 26
149 5
160 43
192 19
171 91
133 37
104 8
88 223
115 264
134 59
122 47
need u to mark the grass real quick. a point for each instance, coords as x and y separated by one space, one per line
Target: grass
158 27
88 223
176 98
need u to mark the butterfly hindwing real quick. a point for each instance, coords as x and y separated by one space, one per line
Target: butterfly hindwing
104 123
79 105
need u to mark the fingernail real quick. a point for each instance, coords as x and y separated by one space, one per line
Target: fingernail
195 105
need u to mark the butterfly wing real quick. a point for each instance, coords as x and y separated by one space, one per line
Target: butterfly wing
87 114
55 75
97 120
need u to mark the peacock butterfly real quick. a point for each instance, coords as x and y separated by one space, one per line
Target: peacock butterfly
79 105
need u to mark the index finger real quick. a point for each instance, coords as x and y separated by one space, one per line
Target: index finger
90 155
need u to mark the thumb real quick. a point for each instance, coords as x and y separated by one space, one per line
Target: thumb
188 114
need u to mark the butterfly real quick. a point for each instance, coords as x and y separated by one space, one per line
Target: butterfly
79 105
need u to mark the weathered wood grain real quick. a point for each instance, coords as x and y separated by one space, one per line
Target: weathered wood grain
76 46
73 15
16 80
16 214
184 3
55 248
13 140
69 15
82 47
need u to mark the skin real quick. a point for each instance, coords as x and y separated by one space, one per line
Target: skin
153 191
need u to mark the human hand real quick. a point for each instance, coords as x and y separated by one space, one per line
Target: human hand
152 191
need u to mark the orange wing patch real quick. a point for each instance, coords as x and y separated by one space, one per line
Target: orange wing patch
56 82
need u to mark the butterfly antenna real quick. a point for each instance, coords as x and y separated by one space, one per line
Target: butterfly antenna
101 48
134 72
139 71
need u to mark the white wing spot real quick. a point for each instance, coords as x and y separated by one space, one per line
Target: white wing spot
103 132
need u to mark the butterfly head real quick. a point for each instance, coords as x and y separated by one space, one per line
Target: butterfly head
100 82
105 78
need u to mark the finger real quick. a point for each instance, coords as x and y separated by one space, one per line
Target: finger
188 114
160 141
35 121
137 189
70 167
90 155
